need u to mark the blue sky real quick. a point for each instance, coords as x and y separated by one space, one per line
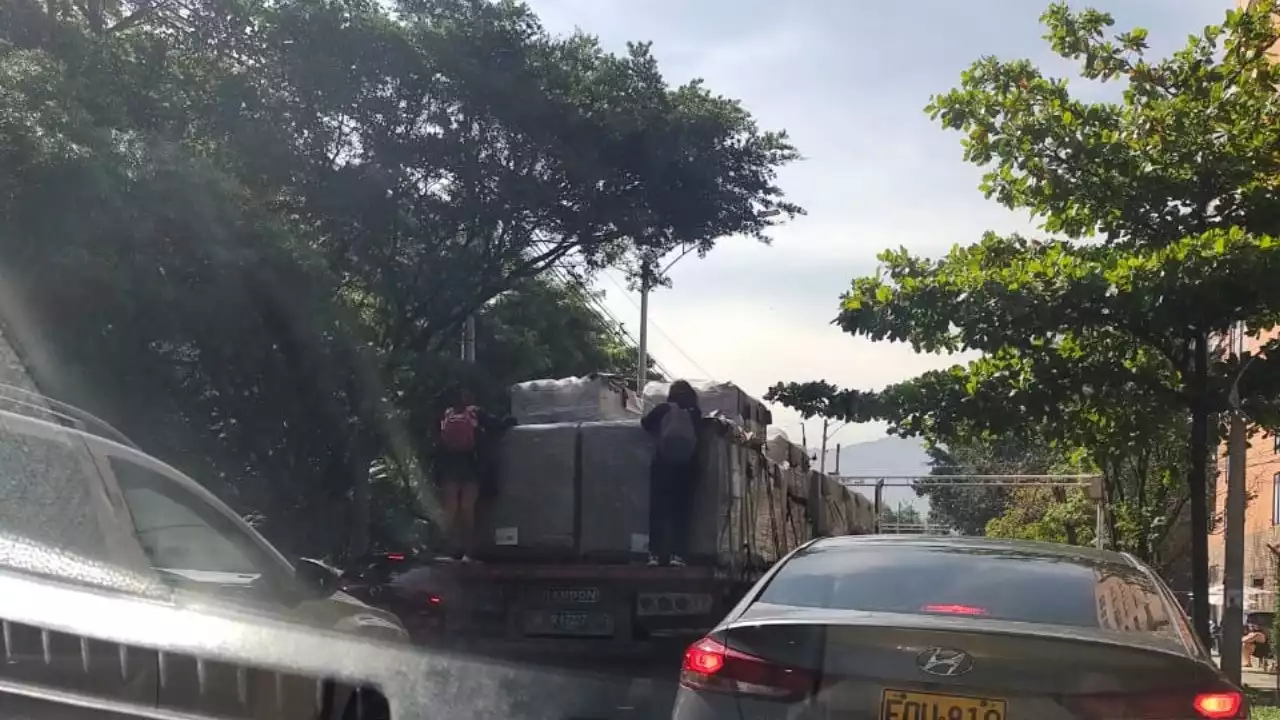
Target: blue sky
849 80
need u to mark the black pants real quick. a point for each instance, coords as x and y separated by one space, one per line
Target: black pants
671 489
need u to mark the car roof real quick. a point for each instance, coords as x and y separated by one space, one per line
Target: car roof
1087 556
25 402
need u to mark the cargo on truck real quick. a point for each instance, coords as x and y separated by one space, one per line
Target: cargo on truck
564 540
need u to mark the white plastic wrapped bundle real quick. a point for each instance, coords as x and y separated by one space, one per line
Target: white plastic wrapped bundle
593 398
724 398
780 449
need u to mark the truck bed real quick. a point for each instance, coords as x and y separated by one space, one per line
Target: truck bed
602 571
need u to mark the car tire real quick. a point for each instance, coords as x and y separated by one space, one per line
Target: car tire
368 704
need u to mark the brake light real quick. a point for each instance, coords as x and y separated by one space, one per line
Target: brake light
955 610
1217 705
395 556
434 600
711 666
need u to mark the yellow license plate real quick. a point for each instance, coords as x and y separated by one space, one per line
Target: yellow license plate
903 705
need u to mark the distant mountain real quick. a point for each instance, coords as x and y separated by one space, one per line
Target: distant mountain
889 455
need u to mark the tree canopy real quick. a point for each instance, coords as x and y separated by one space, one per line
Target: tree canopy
249 232
1158 211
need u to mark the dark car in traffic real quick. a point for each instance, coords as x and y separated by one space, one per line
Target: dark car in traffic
401 583
915 627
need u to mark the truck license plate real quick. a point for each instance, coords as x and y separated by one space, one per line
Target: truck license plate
570 622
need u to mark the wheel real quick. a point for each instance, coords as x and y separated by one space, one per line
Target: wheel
367 704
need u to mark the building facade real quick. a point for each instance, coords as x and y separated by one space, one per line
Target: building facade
1262 515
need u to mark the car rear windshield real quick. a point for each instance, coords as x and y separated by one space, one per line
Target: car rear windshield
990 583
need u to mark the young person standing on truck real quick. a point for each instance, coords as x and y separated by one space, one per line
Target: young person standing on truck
462 428
673 473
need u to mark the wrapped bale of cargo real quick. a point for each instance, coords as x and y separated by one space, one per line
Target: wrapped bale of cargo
850 513
796 509
862 512
534 506
583 489
723 398
780 449
591 398
835 511
615 488
727 500
769 537
835 521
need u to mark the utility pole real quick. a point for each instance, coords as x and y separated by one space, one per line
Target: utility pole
469 340
1233 520
879 503
642 355
822 462
804 443
837 470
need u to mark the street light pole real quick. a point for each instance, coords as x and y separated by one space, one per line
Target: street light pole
822 462
642 352
469 339
649 278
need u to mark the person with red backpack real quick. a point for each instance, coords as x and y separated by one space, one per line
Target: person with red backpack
673 473
463 430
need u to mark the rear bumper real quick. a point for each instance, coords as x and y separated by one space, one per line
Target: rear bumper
659 658
693 705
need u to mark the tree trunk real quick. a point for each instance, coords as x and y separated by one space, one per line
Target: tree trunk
1144 542
1197 478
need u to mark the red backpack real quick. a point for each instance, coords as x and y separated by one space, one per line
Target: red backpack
458 430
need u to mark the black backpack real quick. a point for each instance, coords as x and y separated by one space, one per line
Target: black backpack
677 437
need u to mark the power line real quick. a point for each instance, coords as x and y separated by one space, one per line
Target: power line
626 294
567 273
602 313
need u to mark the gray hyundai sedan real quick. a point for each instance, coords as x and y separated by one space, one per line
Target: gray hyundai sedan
948 628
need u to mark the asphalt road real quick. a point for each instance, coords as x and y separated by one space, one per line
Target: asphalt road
575 690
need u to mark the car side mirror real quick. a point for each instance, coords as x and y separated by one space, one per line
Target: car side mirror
315 579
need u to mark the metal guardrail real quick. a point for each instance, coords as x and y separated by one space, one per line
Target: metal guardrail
890 528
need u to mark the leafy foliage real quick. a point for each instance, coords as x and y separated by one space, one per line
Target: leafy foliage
969 509
1161 209
903 515
268 219
1047 514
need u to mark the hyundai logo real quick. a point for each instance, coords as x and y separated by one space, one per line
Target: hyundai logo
946 662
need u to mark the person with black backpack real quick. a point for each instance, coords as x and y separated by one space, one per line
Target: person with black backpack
462 428
673 473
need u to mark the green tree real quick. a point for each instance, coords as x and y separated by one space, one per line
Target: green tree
968 509
1160 206
1046 514
268 220
901 515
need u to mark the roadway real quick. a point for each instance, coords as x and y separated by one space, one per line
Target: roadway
540 691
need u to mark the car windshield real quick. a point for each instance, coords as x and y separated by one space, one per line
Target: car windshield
540 332
999 584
